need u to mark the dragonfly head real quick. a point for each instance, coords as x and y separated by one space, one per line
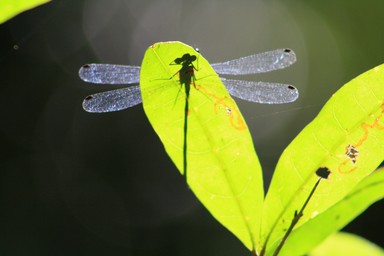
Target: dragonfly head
186 59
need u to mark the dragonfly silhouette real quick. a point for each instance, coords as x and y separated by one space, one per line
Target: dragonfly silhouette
260 92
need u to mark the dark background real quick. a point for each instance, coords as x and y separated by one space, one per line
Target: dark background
74 183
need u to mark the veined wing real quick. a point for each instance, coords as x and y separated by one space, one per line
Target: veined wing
110 74
261 92
114 100
258 63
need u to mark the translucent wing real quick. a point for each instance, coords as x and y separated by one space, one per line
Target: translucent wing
261 92
110 74
114 100
258 63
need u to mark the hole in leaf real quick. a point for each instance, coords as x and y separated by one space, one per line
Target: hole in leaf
323 172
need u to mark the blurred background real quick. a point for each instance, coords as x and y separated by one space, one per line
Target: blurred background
74 183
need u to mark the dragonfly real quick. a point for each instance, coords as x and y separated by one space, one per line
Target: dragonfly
199 124
254 91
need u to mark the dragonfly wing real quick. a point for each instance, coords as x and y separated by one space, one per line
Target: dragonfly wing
258 63
261 92
109 74
114 100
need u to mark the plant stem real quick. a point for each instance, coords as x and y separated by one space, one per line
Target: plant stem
295 219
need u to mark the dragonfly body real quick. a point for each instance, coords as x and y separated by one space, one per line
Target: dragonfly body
186 77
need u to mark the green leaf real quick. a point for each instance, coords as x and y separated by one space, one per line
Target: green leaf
11 8
218 155
346 138
347 244
358 200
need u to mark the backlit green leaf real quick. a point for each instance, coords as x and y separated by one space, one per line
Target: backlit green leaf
222 168
347 244
336 217
346 138
11 8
